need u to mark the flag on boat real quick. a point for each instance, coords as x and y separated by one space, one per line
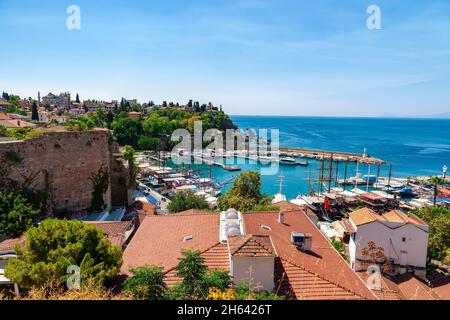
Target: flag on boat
326 204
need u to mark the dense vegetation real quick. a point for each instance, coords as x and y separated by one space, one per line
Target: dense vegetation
187 200
54 245
151 132
245 194
16 214
197 283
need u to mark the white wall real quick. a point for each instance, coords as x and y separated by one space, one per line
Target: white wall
414 248
258 270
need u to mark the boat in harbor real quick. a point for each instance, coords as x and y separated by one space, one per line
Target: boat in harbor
279 197
288 161
406 192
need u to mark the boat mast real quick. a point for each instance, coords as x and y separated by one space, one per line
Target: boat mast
330 176
368 179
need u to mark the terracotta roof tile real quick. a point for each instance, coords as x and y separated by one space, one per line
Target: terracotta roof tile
364 216
115 231
194 211
159 239
294 282
8 245
216 257
287 206
251 246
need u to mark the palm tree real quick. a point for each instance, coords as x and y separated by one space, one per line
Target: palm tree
436 181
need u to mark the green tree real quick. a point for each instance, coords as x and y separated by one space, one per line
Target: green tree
187 200
34 112
77 99
100 181
192 270
148 143
16 214
3 131
54 245
127 131
15 101
436 181
245 194
438 220
146 283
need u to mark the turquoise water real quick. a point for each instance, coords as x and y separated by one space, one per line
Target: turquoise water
412 146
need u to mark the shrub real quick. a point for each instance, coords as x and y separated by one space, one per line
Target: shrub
146 283
54 245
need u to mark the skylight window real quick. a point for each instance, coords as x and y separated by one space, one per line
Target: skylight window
263 226
188 238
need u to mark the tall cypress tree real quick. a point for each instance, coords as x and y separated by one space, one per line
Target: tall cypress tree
34 112
77 100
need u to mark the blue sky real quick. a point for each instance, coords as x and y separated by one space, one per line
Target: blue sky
284 57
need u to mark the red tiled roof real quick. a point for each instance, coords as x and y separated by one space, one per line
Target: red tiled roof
295 282
194 211
215 257
114 230
5 103
159 239
12 124
4 116
323 262
8 245
251 246
287 206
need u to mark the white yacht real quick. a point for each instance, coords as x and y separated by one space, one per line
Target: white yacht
288 160
279 197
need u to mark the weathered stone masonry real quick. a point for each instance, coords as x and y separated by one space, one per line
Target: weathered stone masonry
64 163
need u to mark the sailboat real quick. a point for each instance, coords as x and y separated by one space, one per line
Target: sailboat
279 197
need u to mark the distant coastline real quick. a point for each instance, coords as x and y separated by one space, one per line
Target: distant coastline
445 116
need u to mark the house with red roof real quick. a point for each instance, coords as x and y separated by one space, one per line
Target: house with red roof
264 248
400 240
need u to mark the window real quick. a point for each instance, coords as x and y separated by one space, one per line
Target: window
403 239
187 238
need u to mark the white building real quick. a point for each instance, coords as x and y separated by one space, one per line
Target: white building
402 239
252 259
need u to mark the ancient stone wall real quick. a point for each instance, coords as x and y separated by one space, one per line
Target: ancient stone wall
63 163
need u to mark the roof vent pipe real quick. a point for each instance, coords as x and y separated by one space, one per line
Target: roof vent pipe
281 217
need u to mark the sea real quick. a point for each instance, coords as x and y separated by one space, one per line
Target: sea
413 147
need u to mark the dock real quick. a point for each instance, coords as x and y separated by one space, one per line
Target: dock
327 155
217 164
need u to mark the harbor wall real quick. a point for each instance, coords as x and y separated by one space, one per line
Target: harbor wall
63 164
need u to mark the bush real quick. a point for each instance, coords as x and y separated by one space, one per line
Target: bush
54 245
16 214
187 200
438 220
245 194
192 270
147 283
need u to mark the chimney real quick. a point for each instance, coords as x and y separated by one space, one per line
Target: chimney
18 123
281 217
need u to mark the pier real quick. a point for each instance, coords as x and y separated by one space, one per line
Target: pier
327 155
217 164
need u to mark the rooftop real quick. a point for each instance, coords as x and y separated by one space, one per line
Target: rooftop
251 246
115 231
299 275
160 239
7 245
366 215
